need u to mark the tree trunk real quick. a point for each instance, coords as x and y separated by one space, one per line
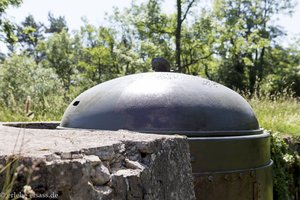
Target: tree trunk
253 74
178 37
260 69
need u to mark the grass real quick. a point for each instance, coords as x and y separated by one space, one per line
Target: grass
51 111
7 115
9 174
281 115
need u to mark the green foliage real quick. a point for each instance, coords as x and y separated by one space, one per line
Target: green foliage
286 169
57 25
5 3
20 77
6 27
145 33
233 43
60 54
98 60
245 34
29 33
284 73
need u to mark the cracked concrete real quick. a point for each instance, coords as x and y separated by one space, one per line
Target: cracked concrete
82 164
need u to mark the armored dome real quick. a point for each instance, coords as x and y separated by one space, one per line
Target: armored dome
165 103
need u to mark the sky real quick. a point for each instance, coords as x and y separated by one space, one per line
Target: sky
95 10
73 10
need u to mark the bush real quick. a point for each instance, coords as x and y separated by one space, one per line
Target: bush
21 77
286 169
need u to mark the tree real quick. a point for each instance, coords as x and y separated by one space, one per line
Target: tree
97 61
6 27
60 52
20 77
130 54
197 42
156 31
283 75
57 25
181 17
29 34
245 35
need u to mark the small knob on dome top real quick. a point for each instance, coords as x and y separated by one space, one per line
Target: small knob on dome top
160 65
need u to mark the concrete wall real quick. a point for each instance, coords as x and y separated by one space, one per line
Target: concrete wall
81 164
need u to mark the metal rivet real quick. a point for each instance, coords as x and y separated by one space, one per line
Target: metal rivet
210 178
226 177
193 159
241 175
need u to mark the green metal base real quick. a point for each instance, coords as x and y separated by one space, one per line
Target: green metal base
232 168
253 184
218 154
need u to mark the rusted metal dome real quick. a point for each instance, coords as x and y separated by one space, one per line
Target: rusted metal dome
162 102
